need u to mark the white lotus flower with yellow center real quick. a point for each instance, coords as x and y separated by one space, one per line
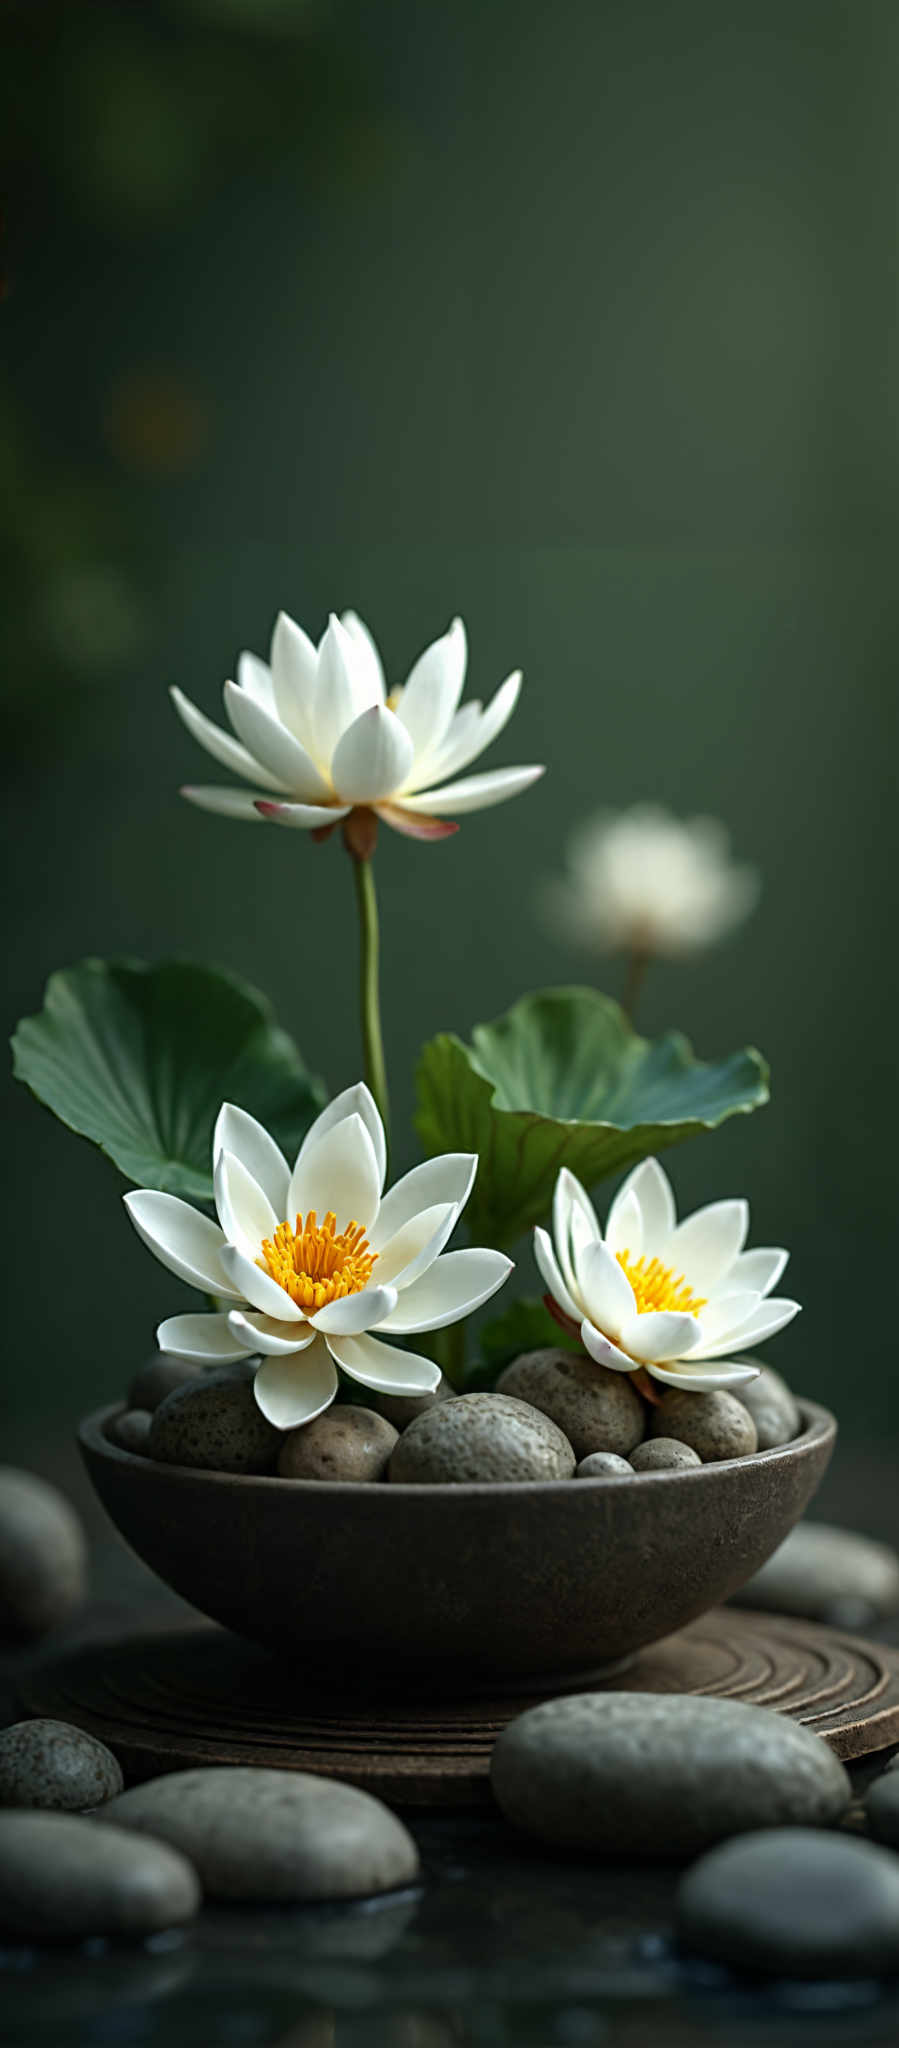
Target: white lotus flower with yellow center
671 1299
317 735
311 1262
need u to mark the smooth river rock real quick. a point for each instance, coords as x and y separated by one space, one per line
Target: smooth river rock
43 1555
50 1763
345 1443
639 1774
794 1902
771 1405
401 1409
882 1806
604 1465
822 1573
215 1425
714 1425
276 1835
596 1409
481 1437
131 1431
159 1377
62 1875
663 1454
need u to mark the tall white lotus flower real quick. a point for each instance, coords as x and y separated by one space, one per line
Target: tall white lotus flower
654 1295
318 735
643 881
307 1294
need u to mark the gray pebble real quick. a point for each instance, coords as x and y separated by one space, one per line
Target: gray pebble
796 1903
663 1454
131 1431
159 1377
596 1409
642 1774
882 1807
822 1573
401 1409
49 1763
481 1438
345 1443
714 1425
63 1875
43 1555
604 1465
214 1424
276 1835
771 1405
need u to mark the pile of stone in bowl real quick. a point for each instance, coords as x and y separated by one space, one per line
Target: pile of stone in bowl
553 1416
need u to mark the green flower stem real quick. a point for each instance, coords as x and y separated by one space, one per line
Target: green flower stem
637 964
370 1000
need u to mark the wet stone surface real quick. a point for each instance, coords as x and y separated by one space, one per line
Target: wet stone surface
63 1875
794 1902
43 1555
823 1573
50 1764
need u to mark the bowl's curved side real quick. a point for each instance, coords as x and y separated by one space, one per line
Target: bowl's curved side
461 1581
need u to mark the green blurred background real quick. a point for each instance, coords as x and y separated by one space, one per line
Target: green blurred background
578 320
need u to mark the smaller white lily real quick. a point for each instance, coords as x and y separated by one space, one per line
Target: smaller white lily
318 735
307 1294
643 881
654 1295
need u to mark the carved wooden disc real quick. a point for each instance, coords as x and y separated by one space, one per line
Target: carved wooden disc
199 1696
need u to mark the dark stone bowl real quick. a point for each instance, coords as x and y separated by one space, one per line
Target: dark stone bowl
458 1584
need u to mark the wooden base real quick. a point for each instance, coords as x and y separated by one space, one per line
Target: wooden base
199 1696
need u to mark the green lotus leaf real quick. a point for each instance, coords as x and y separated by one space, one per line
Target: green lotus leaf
140 1058
563 1080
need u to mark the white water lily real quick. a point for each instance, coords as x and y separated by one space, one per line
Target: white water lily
643 881
305 1294
672 1299
318 735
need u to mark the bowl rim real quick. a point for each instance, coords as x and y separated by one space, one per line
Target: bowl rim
819 1427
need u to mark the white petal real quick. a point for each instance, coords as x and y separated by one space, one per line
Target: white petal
451 1288
706 1244
339 1172
459 745
660 1334
547 1262
568 1196
300 817
188 1244
772 1315
294 672
220 745
624 1224
202 1339
604 1289
355 1312
344 688
372 758
692 1378
433 689
475 794
448 1178
458 750
293 1390
355 1101
250 1283
383 1367
276 748
226 803
238 1132
603 1351
274 1338
244 1210
411 1250
255 677
760 1269
725 1312
649 1182
367 653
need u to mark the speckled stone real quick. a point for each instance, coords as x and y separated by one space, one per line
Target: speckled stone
794 1902
596 1409
486 1438
771 1405
663 1454
276 1835
604 1465
159 1377
49 1763
214 1424
882 1807
715 1426
62 1875
345 1443
43 1555
640 1774
822 1573
131 1431
401 1409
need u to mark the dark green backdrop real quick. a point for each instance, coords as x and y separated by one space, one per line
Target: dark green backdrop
579 320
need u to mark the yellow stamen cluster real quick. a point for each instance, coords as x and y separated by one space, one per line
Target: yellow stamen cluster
316 1262
659 1287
